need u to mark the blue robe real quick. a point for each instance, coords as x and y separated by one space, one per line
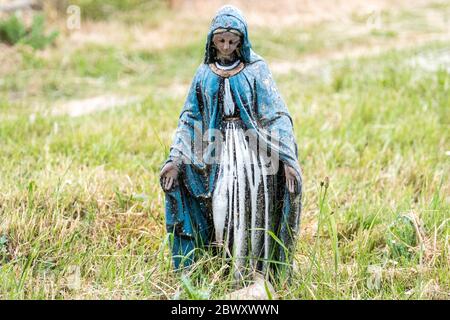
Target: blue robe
188 205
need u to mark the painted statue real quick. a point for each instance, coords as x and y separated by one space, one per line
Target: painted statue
232 179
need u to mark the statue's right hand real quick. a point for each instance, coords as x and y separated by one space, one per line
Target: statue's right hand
169 176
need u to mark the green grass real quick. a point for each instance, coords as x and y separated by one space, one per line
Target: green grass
81 195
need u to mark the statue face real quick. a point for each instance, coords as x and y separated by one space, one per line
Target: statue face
226 43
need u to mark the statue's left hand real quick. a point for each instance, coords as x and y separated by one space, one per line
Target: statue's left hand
292 179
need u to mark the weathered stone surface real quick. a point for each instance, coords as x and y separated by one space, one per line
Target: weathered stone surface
256 291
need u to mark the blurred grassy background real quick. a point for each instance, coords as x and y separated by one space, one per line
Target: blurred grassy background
86 122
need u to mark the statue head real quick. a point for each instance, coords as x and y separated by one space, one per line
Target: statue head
229 26
226 43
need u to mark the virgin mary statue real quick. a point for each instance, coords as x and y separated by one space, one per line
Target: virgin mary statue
232 178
